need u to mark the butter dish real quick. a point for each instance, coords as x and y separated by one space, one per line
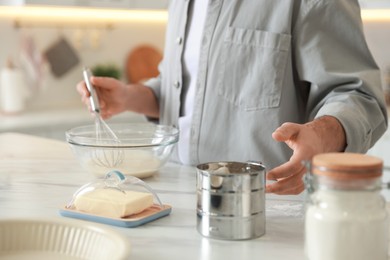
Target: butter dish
116 200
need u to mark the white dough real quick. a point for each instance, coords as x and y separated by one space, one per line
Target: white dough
140 164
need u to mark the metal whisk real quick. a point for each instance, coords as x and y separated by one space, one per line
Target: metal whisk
109 154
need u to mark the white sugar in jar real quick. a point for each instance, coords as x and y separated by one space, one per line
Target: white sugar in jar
346 218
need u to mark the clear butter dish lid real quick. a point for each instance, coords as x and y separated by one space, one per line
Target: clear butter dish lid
118 200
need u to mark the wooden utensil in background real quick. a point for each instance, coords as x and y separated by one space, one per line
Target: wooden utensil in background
62 57
142 63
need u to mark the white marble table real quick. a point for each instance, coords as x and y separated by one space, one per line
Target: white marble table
53 123
38 176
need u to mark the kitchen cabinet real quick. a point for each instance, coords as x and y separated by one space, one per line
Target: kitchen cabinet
130 4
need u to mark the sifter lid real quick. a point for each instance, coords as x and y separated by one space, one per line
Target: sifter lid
347 165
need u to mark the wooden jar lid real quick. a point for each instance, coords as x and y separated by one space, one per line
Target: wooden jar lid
347 165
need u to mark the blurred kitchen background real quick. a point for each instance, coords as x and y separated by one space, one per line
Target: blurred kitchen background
38 96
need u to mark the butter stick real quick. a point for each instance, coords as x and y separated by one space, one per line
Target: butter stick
113 203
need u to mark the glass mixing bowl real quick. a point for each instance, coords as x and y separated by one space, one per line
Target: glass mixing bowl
142 149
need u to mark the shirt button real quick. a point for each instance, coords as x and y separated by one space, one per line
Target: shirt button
179 40
176 84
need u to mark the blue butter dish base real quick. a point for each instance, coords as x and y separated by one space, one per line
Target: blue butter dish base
150 214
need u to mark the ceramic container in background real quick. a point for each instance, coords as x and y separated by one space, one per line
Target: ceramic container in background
13 89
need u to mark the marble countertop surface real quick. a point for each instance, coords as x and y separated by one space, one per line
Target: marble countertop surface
72 116
38 176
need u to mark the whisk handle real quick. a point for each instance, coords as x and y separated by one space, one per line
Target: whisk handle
93 98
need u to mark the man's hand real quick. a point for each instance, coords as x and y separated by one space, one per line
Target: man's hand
116 97
322 135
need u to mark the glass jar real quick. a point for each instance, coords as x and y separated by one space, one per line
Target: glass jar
346 218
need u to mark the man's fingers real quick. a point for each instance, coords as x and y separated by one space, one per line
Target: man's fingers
285 132
285 170
82 89
104 82
290 185
281 189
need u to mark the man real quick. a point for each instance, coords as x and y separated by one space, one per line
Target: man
272 81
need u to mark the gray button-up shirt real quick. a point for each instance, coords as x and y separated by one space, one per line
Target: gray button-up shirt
266 62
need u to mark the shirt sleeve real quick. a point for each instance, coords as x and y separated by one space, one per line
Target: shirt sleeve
332 56
155 83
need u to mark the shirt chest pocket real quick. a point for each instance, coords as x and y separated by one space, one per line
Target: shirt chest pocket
252 68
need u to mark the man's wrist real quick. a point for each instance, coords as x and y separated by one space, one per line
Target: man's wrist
331 132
